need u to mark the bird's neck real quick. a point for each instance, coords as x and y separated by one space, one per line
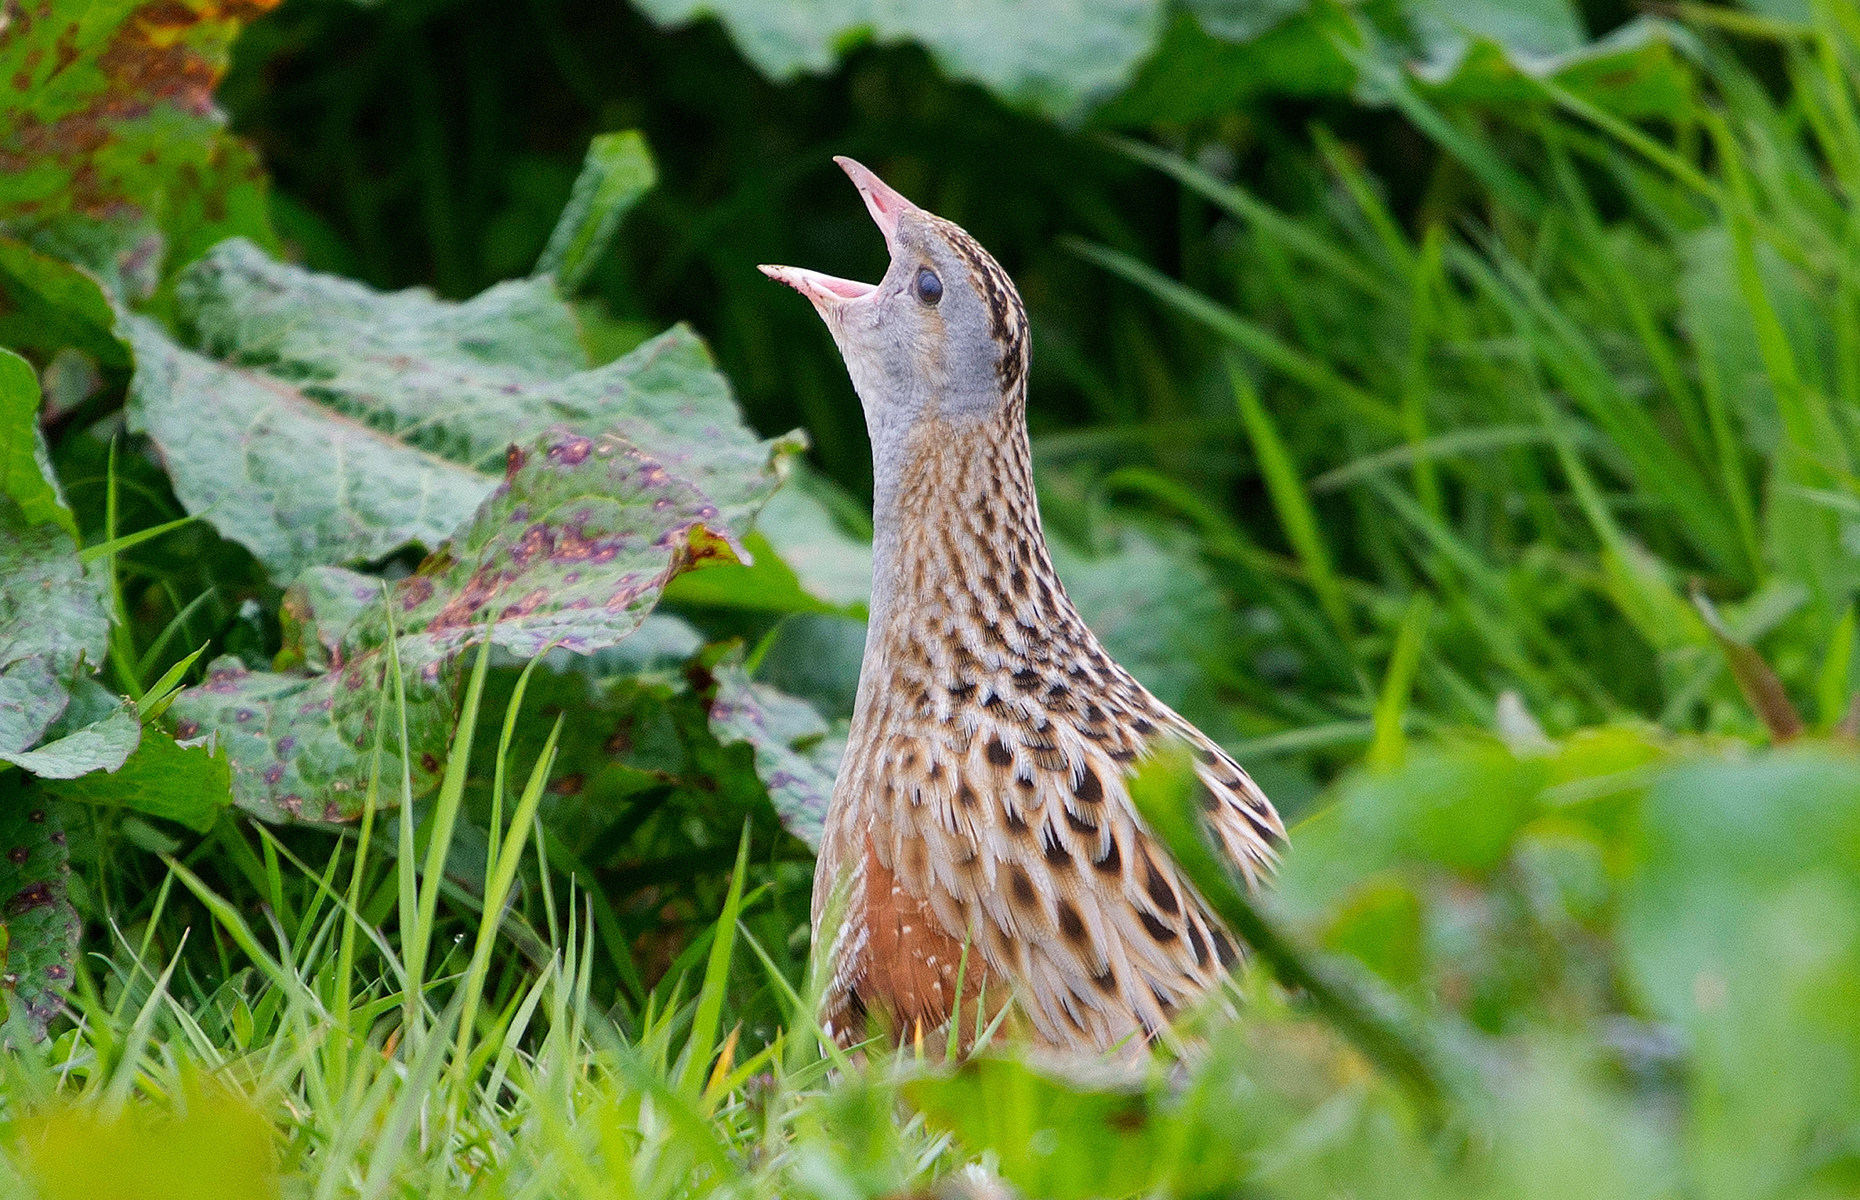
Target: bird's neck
955 520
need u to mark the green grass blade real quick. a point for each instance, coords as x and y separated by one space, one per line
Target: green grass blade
1834 689
704 1025
1390 744
162 692
115 545
1290 500
502 874
444 818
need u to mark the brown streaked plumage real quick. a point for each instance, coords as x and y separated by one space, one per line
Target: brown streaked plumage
983 801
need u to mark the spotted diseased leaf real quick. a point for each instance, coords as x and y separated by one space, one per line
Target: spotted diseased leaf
321 422
300 747
110 144
41 925
797 757
571 550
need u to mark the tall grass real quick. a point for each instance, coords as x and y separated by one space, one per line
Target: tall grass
340 1060
1634 370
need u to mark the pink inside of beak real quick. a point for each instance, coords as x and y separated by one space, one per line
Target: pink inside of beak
819 286
851 289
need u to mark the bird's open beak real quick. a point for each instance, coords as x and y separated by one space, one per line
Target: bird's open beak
886 207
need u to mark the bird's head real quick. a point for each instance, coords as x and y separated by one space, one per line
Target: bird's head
942 335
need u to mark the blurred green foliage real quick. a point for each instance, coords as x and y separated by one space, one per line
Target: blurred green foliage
1451 408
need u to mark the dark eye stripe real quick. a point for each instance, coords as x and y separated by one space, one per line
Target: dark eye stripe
929 287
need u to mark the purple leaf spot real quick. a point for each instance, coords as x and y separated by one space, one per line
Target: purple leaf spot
33 895
536 540
415 592
527 605
572 451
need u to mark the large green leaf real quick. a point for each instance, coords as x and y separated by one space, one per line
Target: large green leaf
322 422
52 624
41 927
110 144
1052 1137
25 475
796 757
1639 70
1489 54
1055 56
55 721
1535 28
1204 67
1067 57
164 778
47 304
95 730
572 550
1742 929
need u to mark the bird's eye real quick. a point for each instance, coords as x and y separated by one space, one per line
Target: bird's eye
929 287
